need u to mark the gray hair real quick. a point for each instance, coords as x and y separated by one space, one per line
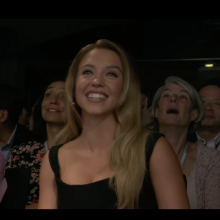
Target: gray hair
194 96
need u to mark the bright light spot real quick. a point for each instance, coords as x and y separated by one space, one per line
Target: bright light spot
209 65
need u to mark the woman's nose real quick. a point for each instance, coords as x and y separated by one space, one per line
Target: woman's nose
98 81
173 98
53 100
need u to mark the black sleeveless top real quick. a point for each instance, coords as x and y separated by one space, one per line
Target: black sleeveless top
98 195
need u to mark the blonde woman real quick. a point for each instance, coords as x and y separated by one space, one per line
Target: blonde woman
179 110
108 162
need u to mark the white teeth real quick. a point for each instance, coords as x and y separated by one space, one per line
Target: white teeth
52 110
96 96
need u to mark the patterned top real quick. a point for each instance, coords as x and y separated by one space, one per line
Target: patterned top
207 178
29 155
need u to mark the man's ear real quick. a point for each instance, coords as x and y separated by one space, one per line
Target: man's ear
194 114
3 115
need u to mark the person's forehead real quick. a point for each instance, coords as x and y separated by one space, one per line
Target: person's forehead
210 90
175 87
56 85
101 55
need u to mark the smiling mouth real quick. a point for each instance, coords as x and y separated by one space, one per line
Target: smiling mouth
96 96
53 110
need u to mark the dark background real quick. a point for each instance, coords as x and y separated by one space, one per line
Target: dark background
34 50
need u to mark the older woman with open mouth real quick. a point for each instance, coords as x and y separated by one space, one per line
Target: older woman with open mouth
178 109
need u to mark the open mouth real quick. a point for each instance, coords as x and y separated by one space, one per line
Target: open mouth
172 111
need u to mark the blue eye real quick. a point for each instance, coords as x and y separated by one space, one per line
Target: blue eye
87 72
112 74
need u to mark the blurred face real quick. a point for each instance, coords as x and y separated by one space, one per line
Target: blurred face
99 82
24 117
175 107
53 104
211 98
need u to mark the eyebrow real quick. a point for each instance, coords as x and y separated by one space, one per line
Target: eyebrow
108 67
180 91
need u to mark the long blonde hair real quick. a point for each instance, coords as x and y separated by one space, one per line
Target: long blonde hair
127 156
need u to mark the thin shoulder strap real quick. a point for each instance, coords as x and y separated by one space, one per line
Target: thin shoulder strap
53 158
151 141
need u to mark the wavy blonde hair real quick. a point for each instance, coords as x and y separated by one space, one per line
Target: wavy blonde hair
127 155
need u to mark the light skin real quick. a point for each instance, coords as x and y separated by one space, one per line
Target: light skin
87 157
175 126
210 126
54 98
53 110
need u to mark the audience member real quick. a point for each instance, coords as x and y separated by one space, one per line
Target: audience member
25 116
208 132
48 119
11 132
105 166
178 110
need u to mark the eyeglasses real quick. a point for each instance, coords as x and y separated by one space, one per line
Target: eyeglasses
214 103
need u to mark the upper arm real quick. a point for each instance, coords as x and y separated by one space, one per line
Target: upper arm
167 177
212 184
48 188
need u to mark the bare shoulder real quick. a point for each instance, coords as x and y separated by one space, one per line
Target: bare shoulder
68 152
163 146
160 142
166 176
69 146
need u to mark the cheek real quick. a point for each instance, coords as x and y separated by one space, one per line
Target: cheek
80 84
217 114
43 110
43 113
117 87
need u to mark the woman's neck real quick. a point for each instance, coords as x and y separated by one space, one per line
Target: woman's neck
177 138
98 133
52 131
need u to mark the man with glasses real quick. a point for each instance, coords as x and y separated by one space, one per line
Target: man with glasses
209 131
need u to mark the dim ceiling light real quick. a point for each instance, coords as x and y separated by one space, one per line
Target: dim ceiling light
209 65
